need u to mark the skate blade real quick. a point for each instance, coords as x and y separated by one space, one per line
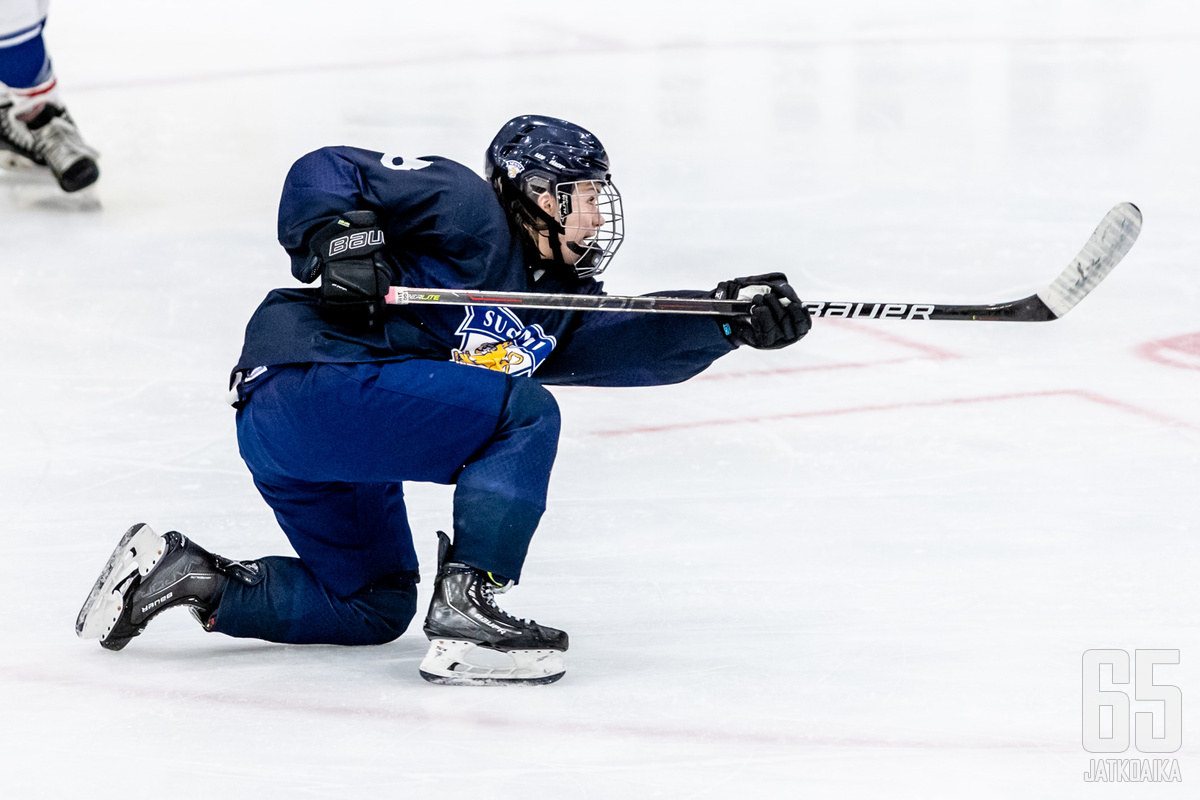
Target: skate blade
453 662
138 552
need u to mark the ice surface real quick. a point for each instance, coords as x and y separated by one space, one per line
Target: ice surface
866 566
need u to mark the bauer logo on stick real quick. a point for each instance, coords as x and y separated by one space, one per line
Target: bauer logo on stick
870 310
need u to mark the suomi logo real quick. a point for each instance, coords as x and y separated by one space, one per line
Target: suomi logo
496 339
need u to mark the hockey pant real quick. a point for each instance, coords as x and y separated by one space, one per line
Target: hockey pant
26 74
329 446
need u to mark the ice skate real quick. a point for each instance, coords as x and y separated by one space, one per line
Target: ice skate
475 643
57 142
17 148
148 574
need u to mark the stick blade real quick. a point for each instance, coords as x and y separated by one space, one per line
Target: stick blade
1104 250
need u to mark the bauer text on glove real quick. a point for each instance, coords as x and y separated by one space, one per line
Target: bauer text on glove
354 277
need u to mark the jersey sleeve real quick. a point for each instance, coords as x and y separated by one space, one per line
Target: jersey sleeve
427 205
636 349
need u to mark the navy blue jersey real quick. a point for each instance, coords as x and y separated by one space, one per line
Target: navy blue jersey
445 228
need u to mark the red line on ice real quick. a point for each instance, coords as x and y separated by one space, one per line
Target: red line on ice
1178 351
721 376
926 351
929 350
837 412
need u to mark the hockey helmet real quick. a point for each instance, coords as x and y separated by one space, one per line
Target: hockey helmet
534 154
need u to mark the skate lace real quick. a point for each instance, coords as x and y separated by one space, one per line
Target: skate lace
60 144
489 596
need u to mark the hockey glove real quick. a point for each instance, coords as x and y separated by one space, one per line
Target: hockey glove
354 277
777 318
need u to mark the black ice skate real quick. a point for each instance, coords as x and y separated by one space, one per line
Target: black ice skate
57 142
475 643
148 574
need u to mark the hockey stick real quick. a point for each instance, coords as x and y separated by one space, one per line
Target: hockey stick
1103 251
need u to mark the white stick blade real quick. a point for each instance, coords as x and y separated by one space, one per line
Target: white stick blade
1104 250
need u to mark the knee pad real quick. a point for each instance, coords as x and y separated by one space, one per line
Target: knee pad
530 403
386 607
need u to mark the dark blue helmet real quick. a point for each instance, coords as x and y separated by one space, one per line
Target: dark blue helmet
532 155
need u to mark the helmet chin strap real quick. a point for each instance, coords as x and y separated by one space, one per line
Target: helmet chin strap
554 231
587 256
556 250
584 253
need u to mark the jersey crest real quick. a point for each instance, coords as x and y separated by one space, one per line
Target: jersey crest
494 338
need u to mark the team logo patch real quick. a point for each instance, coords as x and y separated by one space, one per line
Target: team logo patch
514 168
494 338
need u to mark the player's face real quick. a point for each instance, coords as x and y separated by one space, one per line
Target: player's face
585 217
581 224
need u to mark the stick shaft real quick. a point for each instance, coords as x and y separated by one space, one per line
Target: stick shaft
401 295
1103 251
1029 309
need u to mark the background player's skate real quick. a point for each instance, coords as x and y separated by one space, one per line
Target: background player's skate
18 151
474 642
60 147
47 156
35 128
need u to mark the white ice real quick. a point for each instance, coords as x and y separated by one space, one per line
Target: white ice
865 566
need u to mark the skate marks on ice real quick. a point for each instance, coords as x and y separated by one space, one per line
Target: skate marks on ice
366 709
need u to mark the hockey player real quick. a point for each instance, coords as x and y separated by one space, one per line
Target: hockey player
35 128
341 399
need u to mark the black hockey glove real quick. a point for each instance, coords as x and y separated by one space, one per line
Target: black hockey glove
777 318
354 277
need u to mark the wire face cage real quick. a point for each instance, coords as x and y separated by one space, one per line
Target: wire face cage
593 222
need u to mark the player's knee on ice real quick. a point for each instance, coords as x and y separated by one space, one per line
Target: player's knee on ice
290 606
